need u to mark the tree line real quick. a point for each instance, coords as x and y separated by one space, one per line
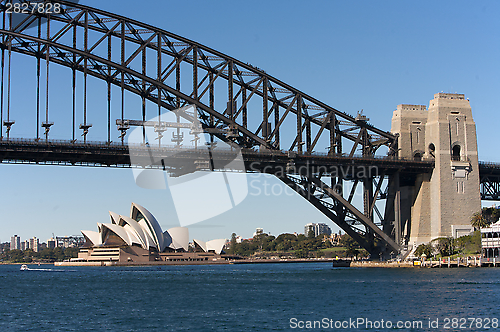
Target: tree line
485 217
448 246
47 255
465 245
301 246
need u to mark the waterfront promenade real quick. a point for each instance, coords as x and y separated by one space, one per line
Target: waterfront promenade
442 263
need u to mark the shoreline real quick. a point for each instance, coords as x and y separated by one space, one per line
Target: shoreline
214 262
348 263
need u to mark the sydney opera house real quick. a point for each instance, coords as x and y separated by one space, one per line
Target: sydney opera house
139 239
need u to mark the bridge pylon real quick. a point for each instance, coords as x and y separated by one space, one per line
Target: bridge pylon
441 203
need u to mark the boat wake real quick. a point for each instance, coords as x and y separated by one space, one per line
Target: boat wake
25 267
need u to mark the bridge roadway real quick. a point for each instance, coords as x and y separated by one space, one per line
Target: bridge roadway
181 160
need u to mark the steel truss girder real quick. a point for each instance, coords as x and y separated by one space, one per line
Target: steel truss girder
136 88
308 186
489 181
308 111
244 82
489 188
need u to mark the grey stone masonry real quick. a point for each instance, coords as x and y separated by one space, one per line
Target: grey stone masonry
446 133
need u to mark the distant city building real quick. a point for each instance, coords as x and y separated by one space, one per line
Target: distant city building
258 231
317 229
15 243
333 238
308 228
70 241
322 229
51 243
34 244
25 245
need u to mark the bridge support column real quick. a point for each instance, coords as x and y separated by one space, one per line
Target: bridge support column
443 202
397 208
368 200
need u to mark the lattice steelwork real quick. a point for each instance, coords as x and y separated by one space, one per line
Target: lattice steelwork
61 43
489 179
236 103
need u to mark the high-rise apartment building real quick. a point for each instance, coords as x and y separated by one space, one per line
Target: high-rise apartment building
51 243
15 242
34 244
319 228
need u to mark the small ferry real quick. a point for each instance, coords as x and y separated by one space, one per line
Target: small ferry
341 263
24 267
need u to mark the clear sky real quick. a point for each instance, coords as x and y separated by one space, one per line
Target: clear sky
352 55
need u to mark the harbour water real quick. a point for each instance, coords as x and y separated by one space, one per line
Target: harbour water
249 297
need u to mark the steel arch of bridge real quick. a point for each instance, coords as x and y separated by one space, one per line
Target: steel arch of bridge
84 39
244 81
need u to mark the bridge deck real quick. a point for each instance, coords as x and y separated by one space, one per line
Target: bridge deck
179 161
118 155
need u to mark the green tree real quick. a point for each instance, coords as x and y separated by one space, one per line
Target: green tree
469 244
348 242
444 246
233 244
424 249
478 220
71 253
301 253
301 237
491 214
352 252
485 217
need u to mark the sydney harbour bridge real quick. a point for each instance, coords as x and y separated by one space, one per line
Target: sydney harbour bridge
278 129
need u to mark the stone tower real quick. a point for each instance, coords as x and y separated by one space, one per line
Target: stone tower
439 204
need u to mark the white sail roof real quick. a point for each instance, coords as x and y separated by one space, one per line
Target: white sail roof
115 218
136 212
118 230
216 245
180 238
201 244
142 229
93 237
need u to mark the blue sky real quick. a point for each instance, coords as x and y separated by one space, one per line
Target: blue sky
351 55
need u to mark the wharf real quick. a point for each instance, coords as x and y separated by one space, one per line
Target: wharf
151 263
380 264
289 260
462 262
194 262
443 263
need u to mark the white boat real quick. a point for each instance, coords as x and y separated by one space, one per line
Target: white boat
24 267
